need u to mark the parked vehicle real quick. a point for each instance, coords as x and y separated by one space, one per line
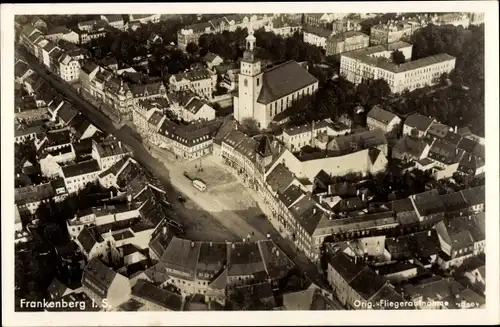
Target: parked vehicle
199 185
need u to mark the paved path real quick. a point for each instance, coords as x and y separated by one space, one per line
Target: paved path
199 224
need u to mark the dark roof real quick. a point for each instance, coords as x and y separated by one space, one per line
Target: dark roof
156 295
20 68
114 18
381 115
59 30
290 195
367 283
345 266
276 262
280 178
182 255
410 145
475 195
89 66
210 57
428 203
282 80
211 260
98 277
87 240
67 112
418 121
454 201
470 163
244 259
56 288
467 145
85 167
131 305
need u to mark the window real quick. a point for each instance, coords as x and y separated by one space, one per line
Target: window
258 81
245 82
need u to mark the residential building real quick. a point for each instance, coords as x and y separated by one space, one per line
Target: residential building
358 287
284 26
316 35
29 198
187 106
455 19
191 33
101 283
374 63
22 71
115 21
409 148
212 60
201 82
264 94
189 141
379 118
446 158
76 176
69 68
417 125
346 41
145 18
108 152
294 138
461 238
62 33
154 298
390 32
31 134
477 18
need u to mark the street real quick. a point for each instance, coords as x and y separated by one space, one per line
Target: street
206 215
199 225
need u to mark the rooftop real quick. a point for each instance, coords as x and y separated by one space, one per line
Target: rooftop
82 168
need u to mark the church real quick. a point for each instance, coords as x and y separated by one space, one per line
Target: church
264 94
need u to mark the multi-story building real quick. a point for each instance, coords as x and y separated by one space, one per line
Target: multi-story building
379 118
101 283
108 152
145 18
417 125
477 18
62 33
461 238
390 32
200 82
316 35
29 198
187 142
455 19
69 68
115 21
374 63
191 33
294 138
264 94
76 176
347 41
283 26
188 107
153 298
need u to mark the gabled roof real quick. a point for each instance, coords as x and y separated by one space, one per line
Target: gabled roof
182 255
280 178
87 240
21 68
156 295
410 145
419 122
98 277
445 152
381 115
474 195
428 203
67 112
81 168
283 80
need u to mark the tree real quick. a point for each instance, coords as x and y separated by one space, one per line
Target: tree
398 57
250 126
192 48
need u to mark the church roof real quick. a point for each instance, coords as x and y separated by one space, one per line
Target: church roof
282 80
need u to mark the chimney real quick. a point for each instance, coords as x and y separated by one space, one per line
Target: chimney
129 198
429 233
192 244
456 129
120 144
210 243
314 210
164 230
363 197
120 250
233 246
355 259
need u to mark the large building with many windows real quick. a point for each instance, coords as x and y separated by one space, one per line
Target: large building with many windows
264 94
375 63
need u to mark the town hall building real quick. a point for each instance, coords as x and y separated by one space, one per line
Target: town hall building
264 94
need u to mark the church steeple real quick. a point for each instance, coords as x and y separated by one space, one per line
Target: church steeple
250 39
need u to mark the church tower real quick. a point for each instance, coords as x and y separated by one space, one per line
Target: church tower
249 81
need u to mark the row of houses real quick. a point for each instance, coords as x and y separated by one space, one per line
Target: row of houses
191 33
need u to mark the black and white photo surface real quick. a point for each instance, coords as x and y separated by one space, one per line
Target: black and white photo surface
332 160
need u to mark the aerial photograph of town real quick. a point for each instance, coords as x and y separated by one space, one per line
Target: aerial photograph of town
229 162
